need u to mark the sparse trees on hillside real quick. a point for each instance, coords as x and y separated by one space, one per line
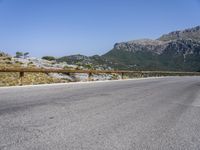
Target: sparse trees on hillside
49 58
21 54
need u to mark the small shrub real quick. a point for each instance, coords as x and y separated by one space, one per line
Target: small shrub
8 62
19 54
18 62
49 58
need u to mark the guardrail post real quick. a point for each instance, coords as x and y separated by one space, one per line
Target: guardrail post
67 73
141 75
21 75
122 75
89 76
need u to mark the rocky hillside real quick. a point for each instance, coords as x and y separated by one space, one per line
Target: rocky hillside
178 51
192 33
95 62
154 46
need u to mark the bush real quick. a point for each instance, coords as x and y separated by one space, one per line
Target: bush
49 58
18 62
2 54
19 54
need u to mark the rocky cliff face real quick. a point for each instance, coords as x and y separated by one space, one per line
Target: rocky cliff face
154 46
185 47
184 41
191 33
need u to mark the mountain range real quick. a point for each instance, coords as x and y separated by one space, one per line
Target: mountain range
175 51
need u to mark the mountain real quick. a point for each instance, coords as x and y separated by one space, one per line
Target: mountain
192 33
176 51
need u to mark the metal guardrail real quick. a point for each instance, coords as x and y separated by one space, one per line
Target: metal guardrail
21 72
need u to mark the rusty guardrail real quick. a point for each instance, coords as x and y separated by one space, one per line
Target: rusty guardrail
21 72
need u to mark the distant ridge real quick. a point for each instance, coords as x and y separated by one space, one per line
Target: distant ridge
191 33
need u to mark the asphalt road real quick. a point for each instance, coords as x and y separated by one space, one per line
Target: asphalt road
162 113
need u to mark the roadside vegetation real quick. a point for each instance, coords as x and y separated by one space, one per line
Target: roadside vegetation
12 79
23 60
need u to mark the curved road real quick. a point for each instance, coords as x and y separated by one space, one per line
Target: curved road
161 113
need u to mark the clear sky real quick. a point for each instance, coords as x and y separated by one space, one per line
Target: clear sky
64 27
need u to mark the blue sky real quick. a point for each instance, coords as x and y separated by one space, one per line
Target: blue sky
64 27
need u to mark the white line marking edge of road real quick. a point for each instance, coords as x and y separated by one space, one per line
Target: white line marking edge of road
72 83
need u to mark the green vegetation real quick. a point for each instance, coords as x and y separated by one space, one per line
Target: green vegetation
26 54
21 54
49 58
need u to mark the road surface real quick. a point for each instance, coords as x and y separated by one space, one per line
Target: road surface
161 113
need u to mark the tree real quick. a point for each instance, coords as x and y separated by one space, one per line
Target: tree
19 54
26 54
49 58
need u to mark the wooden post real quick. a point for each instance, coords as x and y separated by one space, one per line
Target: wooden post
122 75
89 76
142 75
67 73
21 75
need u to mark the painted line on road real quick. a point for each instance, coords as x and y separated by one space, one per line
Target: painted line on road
74 83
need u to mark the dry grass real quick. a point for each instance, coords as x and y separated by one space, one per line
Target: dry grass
12 79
